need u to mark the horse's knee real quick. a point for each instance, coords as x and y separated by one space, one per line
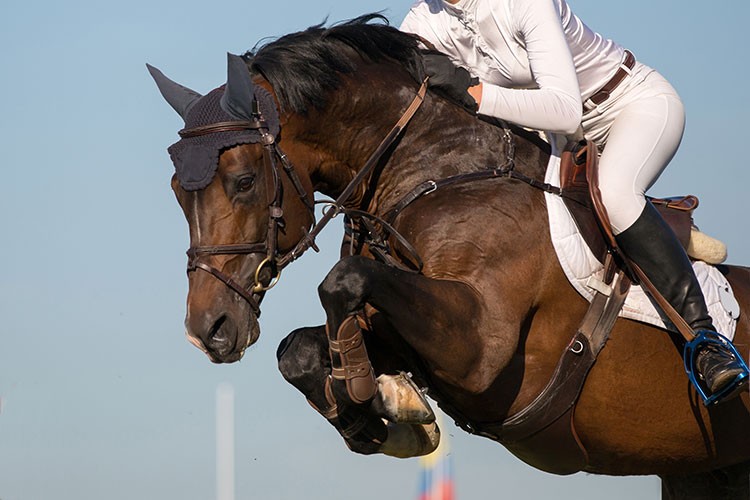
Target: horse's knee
303 356
345 282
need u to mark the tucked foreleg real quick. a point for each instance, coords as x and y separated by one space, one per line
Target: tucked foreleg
438 319
304 362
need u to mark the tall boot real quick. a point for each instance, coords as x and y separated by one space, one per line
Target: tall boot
653 246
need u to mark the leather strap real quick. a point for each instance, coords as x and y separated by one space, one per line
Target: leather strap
685 330
234 249
563 389
222 127
603 94
431 186
228 281
592 175
548 422
372 161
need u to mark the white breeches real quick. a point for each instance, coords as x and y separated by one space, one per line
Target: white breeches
638 129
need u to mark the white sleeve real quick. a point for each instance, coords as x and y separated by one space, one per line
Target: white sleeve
416 24
556 105
409 24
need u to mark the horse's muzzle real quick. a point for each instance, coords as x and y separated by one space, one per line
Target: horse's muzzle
223 338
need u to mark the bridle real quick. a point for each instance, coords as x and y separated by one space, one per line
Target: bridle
272 157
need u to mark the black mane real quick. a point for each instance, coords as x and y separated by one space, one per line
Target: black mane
305 67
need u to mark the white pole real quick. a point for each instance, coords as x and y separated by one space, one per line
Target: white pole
225 442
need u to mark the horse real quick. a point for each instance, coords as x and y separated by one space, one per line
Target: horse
459 285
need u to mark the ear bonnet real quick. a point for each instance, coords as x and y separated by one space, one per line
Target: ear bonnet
239 105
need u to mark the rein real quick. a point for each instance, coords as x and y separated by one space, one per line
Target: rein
377 239
273 156
507 170
336 207
271 153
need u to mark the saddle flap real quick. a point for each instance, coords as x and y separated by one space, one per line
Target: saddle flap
579 181
575 162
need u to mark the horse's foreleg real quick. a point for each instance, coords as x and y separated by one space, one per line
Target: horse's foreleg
437 318
304 362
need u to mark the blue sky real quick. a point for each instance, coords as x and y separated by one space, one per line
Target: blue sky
102 395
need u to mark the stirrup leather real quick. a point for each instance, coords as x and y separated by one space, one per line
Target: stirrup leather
690 355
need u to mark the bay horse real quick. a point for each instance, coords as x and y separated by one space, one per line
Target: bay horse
468 295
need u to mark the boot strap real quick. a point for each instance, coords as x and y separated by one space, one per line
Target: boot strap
350 362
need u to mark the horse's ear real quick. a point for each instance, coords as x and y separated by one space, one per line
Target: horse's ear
240 90
179 97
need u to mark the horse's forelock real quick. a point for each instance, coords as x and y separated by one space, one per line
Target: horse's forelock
305 67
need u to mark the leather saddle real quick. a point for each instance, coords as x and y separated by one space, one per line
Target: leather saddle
580 191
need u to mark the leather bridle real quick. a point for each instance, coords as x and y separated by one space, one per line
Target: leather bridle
272 157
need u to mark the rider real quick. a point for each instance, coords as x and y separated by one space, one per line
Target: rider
541 67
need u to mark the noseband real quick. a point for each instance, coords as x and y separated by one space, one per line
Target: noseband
271 153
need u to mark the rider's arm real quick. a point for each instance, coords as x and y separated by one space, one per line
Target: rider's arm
556 105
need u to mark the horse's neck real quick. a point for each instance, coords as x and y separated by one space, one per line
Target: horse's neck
442 140
446 141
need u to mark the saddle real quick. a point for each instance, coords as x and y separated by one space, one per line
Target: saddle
548 422
580 192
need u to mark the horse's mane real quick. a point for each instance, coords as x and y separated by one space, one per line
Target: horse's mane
305 67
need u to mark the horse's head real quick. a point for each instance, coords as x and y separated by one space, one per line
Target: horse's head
339 91
230 180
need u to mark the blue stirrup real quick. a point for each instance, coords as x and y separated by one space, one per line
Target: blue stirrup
692 348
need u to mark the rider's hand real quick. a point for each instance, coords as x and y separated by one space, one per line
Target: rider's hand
454 81
476 92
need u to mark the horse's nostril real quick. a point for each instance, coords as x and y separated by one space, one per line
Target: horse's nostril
215 331
219 340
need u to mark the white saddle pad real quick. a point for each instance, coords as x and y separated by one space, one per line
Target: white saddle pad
584 271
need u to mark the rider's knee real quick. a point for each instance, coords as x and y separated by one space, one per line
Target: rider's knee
623 206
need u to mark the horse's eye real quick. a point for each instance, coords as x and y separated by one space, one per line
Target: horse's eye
245 183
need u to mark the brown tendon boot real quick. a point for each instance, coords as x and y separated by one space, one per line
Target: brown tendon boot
350 362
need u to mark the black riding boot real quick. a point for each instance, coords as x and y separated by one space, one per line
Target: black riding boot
652 244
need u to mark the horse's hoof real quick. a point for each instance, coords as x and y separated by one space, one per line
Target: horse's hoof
410 440
399 400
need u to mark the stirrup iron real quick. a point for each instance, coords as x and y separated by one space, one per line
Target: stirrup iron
693 348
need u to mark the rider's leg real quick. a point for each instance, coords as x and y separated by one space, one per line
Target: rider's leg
651 243
642 139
